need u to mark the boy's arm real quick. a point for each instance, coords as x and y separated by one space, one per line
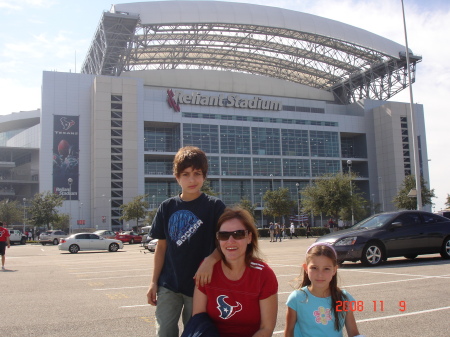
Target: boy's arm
160 253
204 272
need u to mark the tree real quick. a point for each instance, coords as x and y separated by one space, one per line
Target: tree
402 201
247 204
278 203
150 216
10 212
62 222
135 209
207 189
43 208
447 203
332 195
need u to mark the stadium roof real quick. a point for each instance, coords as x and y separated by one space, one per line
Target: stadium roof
350 62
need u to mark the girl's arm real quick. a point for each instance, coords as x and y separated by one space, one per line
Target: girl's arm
350 324
291 319
204 272
268 311
199 302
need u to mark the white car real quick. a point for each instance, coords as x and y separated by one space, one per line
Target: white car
89 241
53 237
151 245
106 234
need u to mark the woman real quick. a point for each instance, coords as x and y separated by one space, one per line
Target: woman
241 299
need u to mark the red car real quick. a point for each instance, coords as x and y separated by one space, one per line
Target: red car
129 236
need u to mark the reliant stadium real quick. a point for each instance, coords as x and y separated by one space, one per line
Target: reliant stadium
275 97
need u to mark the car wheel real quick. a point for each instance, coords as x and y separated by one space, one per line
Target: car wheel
445 251
43 243
74 249
23 241
131 241
372 255
113 247
411 256
55 242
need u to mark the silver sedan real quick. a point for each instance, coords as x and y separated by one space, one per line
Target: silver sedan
89 241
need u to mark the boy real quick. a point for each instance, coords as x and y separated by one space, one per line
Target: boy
186 227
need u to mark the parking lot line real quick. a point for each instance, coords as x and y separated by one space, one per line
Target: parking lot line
402 315
102 289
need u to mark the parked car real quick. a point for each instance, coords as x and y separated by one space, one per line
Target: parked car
89 241
129 236
151 245
392 234
106 234
52 236
16 236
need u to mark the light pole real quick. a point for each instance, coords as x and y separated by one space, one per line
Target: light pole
109 218
24 201
70 181
80 215
373 203
262 209
349 163
153 201
271 187
415 146
382 193
298 202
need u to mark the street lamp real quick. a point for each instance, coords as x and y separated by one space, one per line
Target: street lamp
373 203
153 201
349 164
262 209
271 176
298 202
24 201
382 193
109 218
80 214
70 181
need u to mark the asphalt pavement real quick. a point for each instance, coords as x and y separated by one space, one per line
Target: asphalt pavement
46 292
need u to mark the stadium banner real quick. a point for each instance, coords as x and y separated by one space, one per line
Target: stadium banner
65 156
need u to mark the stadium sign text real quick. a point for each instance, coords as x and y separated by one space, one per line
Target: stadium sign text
174 98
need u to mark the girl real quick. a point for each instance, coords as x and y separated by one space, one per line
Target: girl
314 309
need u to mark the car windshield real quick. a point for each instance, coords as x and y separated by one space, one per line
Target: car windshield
374 221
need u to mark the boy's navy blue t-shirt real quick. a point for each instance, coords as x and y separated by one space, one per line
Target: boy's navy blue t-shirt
189 227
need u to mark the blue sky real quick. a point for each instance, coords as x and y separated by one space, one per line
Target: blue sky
54 35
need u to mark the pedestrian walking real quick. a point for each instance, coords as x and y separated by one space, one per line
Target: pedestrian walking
308 230
4 242
277 232
292 230
271 232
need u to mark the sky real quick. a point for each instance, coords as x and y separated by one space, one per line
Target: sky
54 35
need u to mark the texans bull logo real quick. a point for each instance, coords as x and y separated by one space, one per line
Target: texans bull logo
66 124
226 310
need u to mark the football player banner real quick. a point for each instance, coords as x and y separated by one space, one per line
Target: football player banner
65 156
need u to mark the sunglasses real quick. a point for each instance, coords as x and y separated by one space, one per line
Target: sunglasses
237 235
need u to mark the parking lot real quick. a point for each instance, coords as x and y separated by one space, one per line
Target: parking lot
46 292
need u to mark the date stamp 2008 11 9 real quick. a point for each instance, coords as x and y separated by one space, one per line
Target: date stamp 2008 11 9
360 306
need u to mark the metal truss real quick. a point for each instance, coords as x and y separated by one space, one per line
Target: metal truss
350 71
110 47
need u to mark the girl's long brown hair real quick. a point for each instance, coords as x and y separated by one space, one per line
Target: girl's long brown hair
336 293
